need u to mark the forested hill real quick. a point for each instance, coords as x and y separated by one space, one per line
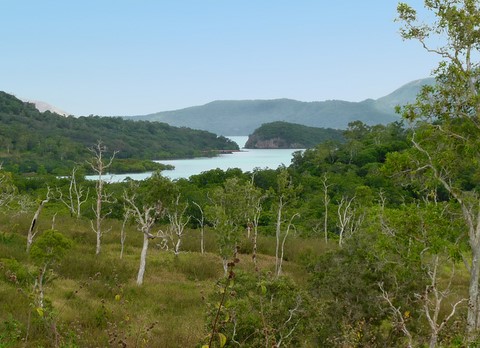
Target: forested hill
242 117
284 135
32 141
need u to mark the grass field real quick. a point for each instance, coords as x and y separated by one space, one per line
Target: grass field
93 301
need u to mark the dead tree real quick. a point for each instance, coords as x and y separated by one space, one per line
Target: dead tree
286 195
123 233
399 317
255 220
432 298
99 166
178 221
201 222
289 227
145 217
76 195
348 221
326 201
32 231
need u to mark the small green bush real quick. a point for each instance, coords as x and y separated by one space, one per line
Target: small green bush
13 271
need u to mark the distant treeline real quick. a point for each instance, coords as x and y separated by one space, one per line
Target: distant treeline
290 135
31 141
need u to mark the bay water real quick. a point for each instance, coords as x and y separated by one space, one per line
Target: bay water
246 160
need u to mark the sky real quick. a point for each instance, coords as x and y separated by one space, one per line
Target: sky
136 57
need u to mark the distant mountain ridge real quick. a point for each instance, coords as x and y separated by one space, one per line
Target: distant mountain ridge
242 117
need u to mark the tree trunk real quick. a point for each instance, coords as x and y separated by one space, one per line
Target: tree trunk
98 214
277 234
473 308
31 233
177 246
433 340
143 260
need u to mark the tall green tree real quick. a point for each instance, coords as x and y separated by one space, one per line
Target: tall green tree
447 138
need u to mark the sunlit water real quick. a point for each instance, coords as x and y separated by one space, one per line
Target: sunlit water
246 160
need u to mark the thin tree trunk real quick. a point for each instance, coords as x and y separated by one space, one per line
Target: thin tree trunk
143 260
98 214
472 315
123 235
290 225
326 201
31 234
254 251
177 246
277 234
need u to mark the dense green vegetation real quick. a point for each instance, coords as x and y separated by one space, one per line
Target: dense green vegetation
31 141
284 135
242 117
372 242
353 236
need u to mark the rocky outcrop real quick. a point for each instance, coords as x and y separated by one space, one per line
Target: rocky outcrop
254 142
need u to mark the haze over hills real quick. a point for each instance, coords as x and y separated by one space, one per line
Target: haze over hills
242 117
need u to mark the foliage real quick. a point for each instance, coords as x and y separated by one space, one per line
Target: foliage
286 135
262 311
50 248
32 141
446 141
392 255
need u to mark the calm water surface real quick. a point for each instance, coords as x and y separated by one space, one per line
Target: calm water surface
246 160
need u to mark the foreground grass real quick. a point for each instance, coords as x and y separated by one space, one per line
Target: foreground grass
93 301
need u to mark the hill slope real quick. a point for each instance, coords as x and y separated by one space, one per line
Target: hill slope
242 117
30 139
284 135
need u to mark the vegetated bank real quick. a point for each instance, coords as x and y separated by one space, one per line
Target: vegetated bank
32 141
285 135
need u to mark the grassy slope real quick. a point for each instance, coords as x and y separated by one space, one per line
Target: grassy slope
84 289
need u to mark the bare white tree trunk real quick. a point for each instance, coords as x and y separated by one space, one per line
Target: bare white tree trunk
256 218
145 220
398 316
38 286
123 234
290 225
201 222
278 232
76 195
345 213
32 231
432 302
177 219
326 201
143 260
99 166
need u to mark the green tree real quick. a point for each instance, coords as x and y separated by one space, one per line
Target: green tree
46 252
447 140
286 195
233 207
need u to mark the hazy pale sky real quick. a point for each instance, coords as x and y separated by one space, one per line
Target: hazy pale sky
133 57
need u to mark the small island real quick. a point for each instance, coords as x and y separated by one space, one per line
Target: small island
285 135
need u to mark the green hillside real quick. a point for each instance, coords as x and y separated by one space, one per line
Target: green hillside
31 141
242 117
284 135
